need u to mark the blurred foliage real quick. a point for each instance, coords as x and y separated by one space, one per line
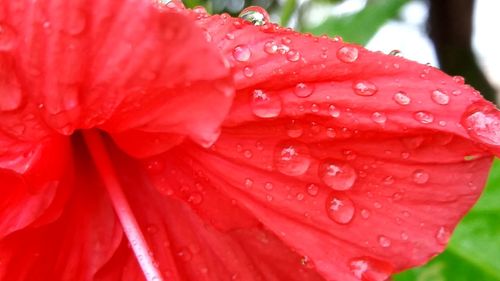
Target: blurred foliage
473 253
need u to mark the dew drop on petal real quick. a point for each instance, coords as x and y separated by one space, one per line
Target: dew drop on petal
337 175
312 189
440 97
401 98
370 269
293 55
294 129
264 105
303 90
420 177
255 15
364 88
424 117
384 242
379 117
248 72
483 126
404 236
333 111
270 47
443 235
268 186
248 183
242 53
7 37
347 54
292 158
340 208
365 213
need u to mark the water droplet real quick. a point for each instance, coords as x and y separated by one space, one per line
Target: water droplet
255 15
185 254
294 129
401 98
483 126
306 262
303 90
247 154
384 242
396 53
365 214
195 198
404 236
268 186
459 80
347 54
242 53
443 235
248 72
300 196
330 132
379 117
314 108
248 183
292 158
337 175
424 117
264 105
340 208
333 111
155 166
364 88
370 269
7 37
312 189
270 47
76 24
293 55
420 177
440 97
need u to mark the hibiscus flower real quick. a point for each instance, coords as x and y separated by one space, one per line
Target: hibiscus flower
144 141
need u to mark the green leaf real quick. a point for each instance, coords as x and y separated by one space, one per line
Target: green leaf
473 253
361 26
287 11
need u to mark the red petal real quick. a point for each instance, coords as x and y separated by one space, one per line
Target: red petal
118 65
75 246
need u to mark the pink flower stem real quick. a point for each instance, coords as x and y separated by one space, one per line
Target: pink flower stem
130 226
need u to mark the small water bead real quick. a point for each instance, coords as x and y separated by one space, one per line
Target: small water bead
264 105
337 175
248 183
185 254
424 117
365 214
268 186
255 15
307 262
330 132
270 47
293 55
195 198
333 111
459 80
340 208
483 126
420 177
347 54
294 129
370 269
364 88
300 196
292 158
155 166
242 53
401 98
303 90
384 241
379 117
396 53
314 108
247 154
404 236
440 97
443 235
312 189
247 71
7 37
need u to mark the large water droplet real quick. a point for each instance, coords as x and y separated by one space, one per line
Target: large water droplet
264 105
340 208
303 90
440 97
364 88
401 98
292 158
293 55
255 15
370 269
483 126
420 177
424 117
337 175
242 53
7 37
347 54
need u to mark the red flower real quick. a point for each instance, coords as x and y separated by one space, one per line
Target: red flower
333 163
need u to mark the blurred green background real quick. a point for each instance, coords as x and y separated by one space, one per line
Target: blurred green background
455 35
